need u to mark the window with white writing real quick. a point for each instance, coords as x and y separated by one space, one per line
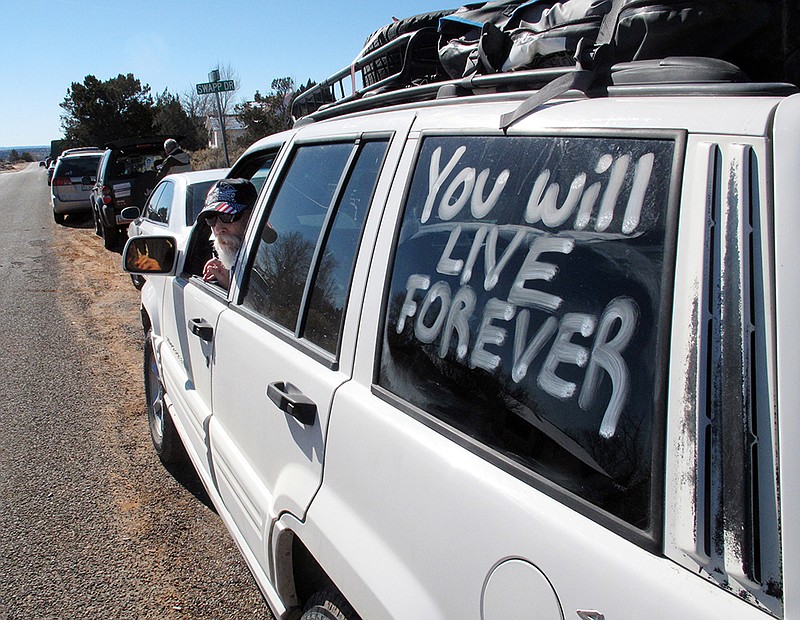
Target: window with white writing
524 305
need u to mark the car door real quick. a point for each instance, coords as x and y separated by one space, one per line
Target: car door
286 346
191 308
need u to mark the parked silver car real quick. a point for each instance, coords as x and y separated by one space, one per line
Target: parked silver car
73 176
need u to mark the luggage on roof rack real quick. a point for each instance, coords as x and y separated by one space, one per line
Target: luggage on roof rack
755 35
408 60
589 36
388 64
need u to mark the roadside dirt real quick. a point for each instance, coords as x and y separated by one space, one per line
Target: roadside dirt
184 556
8 167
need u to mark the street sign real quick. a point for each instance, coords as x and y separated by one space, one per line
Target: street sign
207 88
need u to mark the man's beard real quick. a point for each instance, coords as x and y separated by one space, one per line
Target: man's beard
227 247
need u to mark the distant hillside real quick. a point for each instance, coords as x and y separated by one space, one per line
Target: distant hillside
37 152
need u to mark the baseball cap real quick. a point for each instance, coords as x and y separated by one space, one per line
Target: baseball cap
231 196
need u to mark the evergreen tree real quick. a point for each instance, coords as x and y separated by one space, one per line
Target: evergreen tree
98 112
171 118
267 114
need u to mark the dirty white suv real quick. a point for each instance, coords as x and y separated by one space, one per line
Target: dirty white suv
546 371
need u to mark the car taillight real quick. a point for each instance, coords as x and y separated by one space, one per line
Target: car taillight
107 199
62 181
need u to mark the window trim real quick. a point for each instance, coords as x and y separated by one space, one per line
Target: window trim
295 338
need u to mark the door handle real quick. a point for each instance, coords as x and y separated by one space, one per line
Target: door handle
291 400
201 329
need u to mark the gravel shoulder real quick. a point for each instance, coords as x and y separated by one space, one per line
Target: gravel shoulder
187 559
93 525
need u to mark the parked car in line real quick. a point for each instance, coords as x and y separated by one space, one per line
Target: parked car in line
51 166
74 174
126 175
172 207
545 370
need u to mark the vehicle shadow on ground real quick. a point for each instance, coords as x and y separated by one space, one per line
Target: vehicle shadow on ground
79 221
186 475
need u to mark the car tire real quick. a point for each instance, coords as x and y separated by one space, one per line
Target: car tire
97 228
59 217
165 438
328 605
110 237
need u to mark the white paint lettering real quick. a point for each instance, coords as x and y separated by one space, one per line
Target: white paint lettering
493 267
587 206
489 333
641 179
607 356
409 308
437 178
439 291
477 242
525 354
448 266
463 183
609 202
567 352
541 199
532 269
553 215
479 207
461 309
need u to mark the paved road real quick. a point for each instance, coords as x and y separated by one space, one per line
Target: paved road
91 525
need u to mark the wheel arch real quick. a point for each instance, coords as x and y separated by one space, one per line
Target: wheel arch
147 323
298 575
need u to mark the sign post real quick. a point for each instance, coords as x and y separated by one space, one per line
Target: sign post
216 86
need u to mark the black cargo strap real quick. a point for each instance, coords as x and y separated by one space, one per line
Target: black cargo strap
579 79
609 23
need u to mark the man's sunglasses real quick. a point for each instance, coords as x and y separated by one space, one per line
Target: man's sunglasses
225 218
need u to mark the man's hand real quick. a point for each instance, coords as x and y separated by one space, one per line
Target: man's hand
215 270
146 263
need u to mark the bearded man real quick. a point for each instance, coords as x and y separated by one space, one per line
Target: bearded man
228 207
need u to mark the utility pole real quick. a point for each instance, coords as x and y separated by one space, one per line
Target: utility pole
215 85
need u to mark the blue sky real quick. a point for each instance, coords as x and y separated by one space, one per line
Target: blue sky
46 45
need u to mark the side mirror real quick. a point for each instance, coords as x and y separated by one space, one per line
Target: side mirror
149 255
130 213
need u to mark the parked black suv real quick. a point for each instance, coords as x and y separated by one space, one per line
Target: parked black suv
126 175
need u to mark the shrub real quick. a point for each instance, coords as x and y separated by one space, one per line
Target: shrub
205 159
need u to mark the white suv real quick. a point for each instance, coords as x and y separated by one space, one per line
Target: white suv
546 371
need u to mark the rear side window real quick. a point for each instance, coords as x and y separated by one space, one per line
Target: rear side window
255 167
160 205
78 167
524 308
301 280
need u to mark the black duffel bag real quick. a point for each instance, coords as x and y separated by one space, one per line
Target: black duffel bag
759 36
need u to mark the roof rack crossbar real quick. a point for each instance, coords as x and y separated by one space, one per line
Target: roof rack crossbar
532 79
346 80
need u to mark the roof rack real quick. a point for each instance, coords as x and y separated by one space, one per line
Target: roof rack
408 70
409 60
483 84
